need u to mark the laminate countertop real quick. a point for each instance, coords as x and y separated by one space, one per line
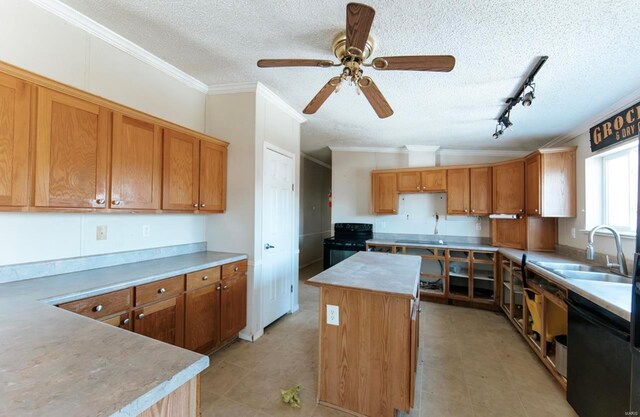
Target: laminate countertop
433 244
614 297
372 271
56 363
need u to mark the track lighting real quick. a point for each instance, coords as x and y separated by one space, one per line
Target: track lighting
504 121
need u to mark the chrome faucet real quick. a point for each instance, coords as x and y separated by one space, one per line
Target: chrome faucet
622 262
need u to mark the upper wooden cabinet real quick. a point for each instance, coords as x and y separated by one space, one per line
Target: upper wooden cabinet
551 183
213 177
480 191
136 164
72 149
181 171
434 180
15 117
458 191
508 188
384 192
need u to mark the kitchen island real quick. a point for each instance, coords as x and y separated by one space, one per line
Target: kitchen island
369 327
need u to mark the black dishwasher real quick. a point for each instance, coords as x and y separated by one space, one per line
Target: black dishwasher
599 360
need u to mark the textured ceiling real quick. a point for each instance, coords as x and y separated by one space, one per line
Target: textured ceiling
593 49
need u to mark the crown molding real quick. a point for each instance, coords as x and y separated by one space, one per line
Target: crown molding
369 149
233 88
422 148
604 114
483 152
315 160
75 18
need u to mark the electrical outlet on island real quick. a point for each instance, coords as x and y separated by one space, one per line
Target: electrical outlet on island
333 315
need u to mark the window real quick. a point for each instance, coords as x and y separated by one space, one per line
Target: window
613 200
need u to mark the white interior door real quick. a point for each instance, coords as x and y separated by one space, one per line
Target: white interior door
277 234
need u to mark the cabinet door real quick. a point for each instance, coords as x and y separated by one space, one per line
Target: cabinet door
409 182
15 113
162 321
233 316
532 179
121 320
136 164
458 191
558 184
509 233
384 193
181 171
71 152
508 188
480 191
202 318
213 177
434 180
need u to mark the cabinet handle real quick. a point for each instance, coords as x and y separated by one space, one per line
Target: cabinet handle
206 277
195 205
466 210
97 308
424 187
161 291
225 287
236 269
218 288
536 210
100 201
417 188
116 202
521 210
141 316
473 210
203 205
126 321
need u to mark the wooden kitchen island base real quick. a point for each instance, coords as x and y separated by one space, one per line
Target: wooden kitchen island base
183 402
368 361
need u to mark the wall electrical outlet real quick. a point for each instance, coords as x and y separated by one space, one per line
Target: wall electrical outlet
101 232
333 315
146 230
478 226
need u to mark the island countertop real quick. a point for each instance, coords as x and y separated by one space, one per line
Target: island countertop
56 363
372 271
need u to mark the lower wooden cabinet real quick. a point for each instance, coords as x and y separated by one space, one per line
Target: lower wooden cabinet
202 332
233 316
211 311
162 321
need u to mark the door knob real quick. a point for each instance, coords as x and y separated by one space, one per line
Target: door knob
268 246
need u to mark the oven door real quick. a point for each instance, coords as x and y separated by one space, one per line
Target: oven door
336 252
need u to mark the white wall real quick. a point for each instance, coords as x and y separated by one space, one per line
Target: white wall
34 39
602 243
351 187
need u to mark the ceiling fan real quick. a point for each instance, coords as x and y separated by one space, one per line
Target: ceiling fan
353 48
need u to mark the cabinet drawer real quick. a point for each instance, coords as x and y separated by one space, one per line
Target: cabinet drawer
159 290
234 268
122 321
203 278
101 305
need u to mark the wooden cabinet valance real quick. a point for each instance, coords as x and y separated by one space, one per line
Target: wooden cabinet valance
90 154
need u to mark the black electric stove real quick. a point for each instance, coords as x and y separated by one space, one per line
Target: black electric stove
348 238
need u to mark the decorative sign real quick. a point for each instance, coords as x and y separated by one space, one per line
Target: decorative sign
621 127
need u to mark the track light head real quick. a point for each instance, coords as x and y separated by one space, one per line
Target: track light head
527 99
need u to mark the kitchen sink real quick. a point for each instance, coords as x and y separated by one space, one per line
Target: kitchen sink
565 266
593 276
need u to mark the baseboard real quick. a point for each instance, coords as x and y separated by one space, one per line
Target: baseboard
295 308
251 337
310 263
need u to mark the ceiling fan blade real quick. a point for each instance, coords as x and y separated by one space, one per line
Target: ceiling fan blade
375 97
444 63
359 20
322 96
271 63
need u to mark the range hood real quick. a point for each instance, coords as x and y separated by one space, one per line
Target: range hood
505 216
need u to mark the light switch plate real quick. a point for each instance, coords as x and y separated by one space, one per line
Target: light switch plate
146 230
101 232
333 315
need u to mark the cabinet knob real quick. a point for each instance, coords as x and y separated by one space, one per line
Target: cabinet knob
195 205
473 210
206 277
141 316
521 210
116 202
161 291
424 187
536 210
218 288
236 269
203 205
417 188
100 201
225 287
97 308
466 210
126 321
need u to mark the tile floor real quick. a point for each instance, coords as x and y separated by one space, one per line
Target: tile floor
474 364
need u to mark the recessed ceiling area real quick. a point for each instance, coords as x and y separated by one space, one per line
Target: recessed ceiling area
495 45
